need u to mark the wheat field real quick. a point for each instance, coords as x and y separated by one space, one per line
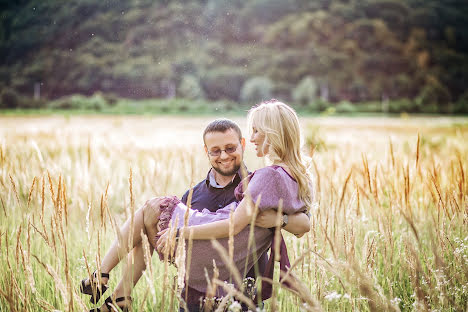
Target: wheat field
388 230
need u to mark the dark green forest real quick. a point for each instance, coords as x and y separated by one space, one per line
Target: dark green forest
313 53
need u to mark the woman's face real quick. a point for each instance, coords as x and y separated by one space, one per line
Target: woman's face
258 138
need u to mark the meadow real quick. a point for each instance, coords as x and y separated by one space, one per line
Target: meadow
388 230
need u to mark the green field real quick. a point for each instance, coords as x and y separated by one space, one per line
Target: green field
388 232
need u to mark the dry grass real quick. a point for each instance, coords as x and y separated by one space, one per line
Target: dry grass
388 231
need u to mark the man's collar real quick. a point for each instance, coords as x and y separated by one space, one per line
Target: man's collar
211 181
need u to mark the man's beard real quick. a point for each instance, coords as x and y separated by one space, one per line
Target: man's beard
227 173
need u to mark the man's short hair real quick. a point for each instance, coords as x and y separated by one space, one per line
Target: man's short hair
222 125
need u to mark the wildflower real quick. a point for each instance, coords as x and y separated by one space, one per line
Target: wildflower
333 296
395 301
235 306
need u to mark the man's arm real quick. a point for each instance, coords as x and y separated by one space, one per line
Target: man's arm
298 223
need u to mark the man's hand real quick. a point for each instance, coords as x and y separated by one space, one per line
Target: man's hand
298 223
266 219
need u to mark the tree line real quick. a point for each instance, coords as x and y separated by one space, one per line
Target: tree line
311 53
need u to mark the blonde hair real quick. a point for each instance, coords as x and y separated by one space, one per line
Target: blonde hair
280 125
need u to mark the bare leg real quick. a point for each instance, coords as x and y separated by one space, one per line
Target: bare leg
148 219
152 229
144 218
120 247
132 273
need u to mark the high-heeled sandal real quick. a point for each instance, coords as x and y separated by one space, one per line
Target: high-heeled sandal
94 289
111 304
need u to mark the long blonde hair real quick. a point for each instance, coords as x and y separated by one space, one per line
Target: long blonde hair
280 125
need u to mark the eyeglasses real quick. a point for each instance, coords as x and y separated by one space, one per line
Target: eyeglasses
228 150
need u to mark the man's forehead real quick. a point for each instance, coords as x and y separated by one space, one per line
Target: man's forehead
221 138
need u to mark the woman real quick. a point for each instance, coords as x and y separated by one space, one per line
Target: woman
276 134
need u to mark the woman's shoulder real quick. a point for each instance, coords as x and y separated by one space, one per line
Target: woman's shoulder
267 170
272 177
273 171
273 184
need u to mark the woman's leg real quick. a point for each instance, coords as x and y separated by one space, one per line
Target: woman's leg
132 273
148 218
120 247
151 219
145 219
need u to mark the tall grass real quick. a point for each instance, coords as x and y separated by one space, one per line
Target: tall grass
388 231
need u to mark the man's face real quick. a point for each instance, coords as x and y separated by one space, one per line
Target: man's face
225 163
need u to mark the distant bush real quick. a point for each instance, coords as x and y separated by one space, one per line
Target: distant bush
111 99
402 105
223 84
68 102
433 95
461 106
97 102
305 92
30 103
369 107
318 105
345 107
9 99
190 88
256 89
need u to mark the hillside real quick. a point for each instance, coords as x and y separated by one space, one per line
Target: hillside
297 50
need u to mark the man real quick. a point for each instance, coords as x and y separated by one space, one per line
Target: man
224 146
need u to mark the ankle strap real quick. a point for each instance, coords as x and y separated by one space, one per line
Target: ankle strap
119 299
105 275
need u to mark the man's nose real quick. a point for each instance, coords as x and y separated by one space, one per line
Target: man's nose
224 154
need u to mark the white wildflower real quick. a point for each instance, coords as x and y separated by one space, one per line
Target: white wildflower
395 301
235 306
333 296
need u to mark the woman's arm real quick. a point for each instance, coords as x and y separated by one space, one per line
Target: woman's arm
298 223
218 229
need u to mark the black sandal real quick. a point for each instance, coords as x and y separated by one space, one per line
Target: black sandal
111 304
93 289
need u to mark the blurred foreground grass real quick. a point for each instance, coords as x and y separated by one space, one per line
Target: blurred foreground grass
389 231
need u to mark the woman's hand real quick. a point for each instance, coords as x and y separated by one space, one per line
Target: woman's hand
166 243
163 240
